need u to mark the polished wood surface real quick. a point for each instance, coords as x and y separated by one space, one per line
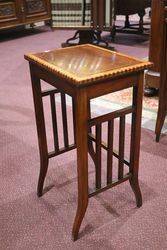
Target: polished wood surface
85 64
83 122
14 13
162 109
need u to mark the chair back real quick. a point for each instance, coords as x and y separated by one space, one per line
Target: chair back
163 70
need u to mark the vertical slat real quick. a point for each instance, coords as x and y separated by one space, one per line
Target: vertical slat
110 151
74 119
54 122
64 119
90 143
98 156
121 147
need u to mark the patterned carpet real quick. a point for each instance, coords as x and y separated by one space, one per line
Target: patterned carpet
124 98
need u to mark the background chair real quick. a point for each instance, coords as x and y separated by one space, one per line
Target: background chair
162 110
131 7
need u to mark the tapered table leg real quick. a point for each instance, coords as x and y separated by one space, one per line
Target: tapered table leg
41 131
81 114
135 139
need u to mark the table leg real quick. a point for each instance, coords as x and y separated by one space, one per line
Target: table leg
135 139
41 131
81 114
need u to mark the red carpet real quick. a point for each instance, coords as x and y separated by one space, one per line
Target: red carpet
112 220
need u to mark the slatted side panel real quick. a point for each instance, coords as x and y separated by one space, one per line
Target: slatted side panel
113 177
58 146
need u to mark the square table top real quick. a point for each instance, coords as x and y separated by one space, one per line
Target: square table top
85 64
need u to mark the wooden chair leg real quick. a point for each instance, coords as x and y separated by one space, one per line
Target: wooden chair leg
141 23
127 22
160 121
162 109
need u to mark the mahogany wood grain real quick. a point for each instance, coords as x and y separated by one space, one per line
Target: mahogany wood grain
84 65
92 72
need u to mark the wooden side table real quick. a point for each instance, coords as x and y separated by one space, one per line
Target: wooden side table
85 72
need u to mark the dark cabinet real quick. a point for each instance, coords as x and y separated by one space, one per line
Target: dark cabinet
20 12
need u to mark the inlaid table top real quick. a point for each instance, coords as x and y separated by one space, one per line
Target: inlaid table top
85 64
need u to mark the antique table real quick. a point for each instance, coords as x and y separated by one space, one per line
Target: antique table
85 72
